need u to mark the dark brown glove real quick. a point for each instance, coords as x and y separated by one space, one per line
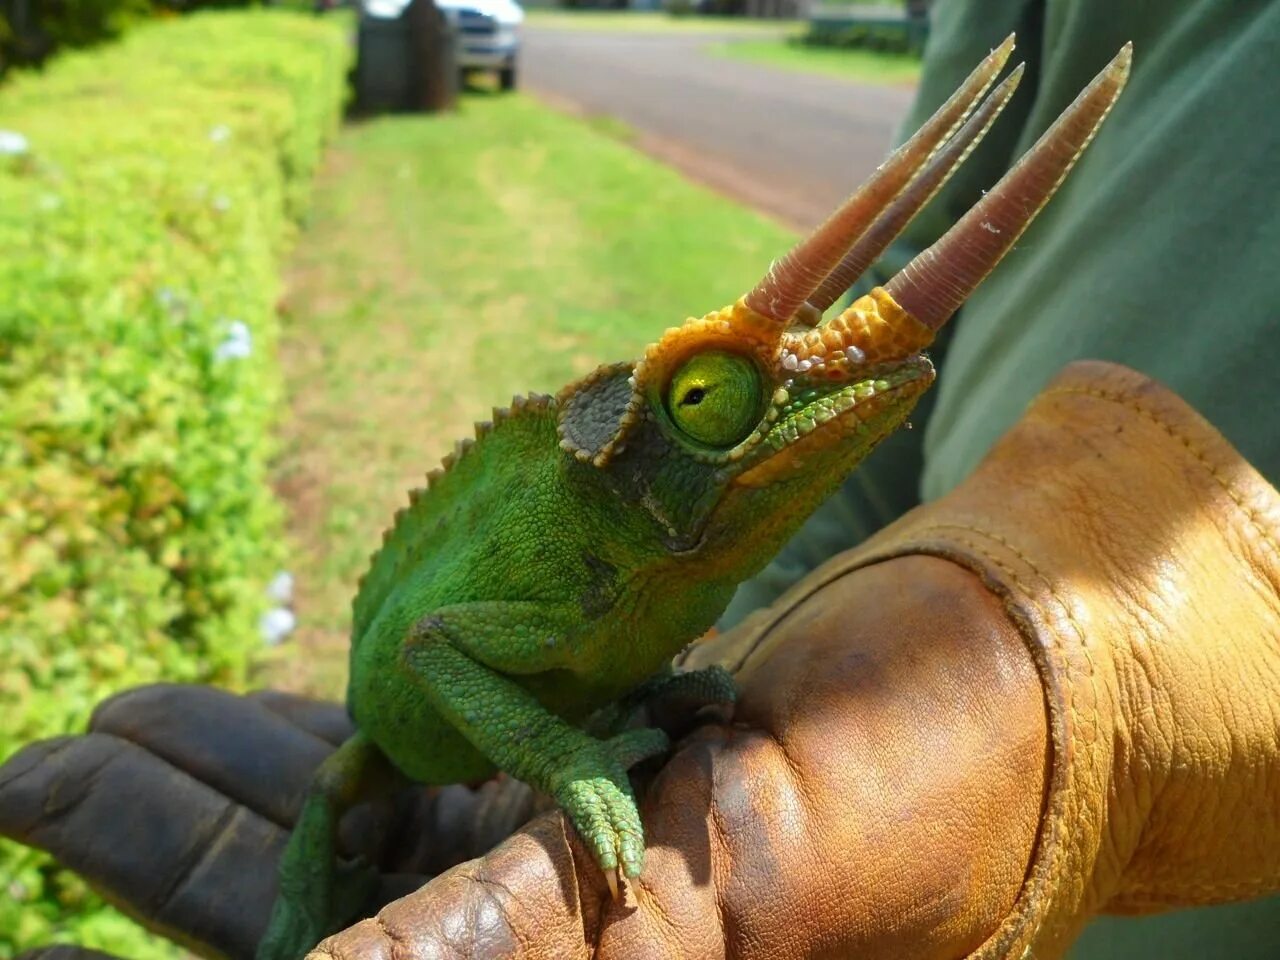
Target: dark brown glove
1054 692
177 804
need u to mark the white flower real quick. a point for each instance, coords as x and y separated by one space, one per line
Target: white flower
237 345
220 133
280 589
276 624
13 144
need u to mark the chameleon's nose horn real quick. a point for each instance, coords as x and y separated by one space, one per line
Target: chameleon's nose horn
792 279
934 284
920 191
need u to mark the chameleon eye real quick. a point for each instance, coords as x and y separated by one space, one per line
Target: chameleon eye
716 398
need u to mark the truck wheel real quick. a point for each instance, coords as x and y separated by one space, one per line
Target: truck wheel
507 78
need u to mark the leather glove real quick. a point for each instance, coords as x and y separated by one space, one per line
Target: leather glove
1054 692
176 805
1051 693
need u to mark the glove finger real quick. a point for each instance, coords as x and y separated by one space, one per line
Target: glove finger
238 746
320 718
491 907
168 849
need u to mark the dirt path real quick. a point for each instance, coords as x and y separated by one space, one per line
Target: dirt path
789 144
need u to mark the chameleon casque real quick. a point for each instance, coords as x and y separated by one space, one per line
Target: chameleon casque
536 591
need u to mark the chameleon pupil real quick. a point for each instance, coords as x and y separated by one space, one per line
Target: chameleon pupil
716 398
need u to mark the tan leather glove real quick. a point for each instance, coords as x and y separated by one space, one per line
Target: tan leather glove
1054 692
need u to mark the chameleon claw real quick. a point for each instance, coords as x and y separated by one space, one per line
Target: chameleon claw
611 878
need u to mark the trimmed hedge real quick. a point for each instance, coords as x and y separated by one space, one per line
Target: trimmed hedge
141 235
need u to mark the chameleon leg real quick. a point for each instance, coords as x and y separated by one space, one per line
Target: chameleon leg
685 691
506 723
319 893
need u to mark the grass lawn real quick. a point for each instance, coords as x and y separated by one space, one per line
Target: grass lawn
448 264
645 21
787 53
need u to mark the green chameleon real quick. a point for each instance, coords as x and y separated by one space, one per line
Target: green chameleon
533 595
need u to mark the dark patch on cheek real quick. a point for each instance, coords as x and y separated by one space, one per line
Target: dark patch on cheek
597 599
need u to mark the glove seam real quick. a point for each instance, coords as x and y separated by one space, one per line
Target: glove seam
1050 659
1129 402
1050 842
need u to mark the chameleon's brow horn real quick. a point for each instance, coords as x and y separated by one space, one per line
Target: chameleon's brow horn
792 279
908 203
933 285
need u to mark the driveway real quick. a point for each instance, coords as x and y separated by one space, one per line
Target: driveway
791 144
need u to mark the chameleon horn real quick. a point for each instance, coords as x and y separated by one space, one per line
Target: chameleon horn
933 285
790 280
920 191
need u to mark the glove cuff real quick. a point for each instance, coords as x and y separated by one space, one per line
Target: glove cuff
1139 556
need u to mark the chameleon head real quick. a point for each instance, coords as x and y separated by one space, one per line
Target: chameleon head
743 420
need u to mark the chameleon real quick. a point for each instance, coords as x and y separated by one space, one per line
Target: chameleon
532 596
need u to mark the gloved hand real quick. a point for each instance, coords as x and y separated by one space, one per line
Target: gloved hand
177 805
1053 692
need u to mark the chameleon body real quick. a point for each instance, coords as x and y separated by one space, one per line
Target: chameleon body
537 577
538 587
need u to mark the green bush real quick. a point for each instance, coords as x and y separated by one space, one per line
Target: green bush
30 30
140 241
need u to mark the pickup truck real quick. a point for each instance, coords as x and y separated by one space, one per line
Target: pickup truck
488 38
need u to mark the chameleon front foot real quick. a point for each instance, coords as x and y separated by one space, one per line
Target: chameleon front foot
596 796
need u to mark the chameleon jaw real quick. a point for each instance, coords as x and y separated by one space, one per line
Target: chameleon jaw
818 415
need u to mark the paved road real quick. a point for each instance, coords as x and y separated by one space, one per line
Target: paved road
789 143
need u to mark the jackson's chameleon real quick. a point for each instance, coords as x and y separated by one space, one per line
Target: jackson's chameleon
539 586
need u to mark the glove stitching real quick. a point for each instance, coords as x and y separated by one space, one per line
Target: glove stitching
1078 715
1251 514
1148 892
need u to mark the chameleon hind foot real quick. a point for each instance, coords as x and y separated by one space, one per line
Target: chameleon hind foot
670 698
320 894
304 916
595 794
691 690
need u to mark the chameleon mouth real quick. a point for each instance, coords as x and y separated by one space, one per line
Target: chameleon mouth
819 414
